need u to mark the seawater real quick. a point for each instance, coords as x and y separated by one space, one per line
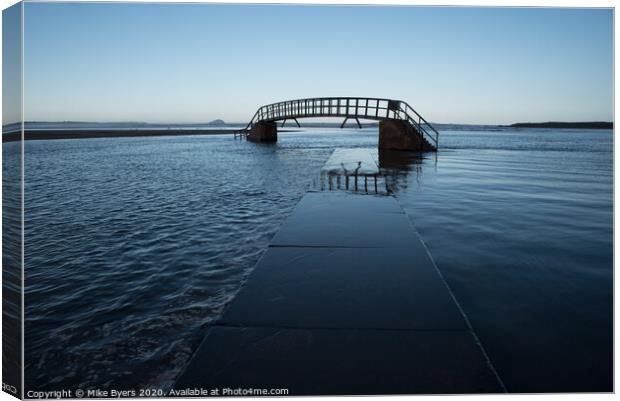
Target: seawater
135 245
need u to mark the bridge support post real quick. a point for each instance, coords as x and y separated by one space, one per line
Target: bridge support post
347 118
264 131
400 135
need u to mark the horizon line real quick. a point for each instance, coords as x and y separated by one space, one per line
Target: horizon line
238 122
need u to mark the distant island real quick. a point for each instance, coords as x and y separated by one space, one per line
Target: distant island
554 124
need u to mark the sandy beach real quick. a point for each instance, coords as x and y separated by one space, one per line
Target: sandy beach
79 134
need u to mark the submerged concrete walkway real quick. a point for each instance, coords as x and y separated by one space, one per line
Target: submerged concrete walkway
345 301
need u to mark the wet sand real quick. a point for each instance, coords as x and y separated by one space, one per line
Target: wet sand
567 125
83 134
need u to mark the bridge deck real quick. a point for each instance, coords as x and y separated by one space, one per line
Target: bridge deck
346 107
346 300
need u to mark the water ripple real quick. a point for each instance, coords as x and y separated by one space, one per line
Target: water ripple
134 245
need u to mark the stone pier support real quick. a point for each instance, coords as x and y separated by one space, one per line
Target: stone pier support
264 132
400 135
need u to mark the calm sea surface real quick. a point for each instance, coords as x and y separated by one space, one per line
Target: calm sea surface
134 245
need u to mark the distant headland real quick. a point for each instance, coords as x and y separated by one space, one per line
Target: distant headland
555 124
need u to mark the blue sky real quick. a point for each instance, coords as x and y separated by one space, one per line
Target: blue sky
199 62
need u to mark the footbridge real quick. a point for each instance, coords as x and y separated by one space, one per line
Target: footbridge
400 126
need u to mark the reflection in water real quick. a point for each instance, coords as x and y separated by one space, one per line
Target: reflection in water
394 167
351 169
356 183
397 165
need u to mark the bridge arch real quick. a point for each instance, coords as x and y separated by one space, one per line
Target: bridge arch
400 127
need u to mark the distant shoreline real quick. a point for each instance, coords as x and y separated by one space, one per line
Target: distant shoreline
86 133
102 133
554 124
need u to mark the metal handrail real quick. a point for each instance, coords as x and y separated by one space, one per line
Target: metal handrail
348 107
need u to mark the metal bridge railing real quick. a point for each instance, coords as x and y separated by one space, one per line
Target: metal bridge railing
348 107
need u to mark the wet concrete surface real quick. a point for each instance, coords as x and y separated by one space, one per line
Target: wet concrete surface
340 362
339 219
345 288
346 300
351 162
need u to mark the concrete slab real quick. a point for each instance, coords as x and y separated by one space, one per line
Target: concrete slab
346 300
333 219
350 162
345 230
338 203
346 288
340 362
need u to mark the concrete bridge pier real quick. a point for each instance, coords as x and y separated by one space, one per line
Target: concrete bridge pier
264 131
400 135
